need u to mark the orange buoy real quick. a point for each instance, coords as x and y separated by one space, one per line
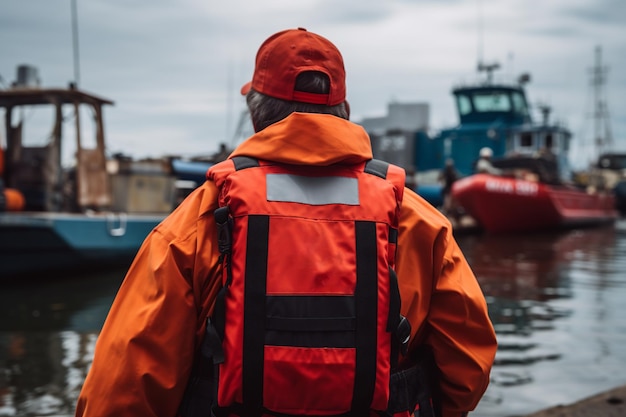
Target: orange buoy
14 200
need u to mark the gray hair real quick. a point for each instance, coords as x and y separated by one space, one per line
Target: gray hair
266 110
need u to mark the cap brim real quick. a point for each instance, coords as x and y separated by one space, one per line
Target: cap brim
245 89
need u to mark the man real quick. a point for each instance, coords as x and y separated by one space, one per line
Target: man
144 354
484 165
448 176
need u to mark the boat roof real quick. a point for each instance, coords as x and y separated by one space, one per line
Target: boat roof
41 96
487 87
612 160
545 167
541 127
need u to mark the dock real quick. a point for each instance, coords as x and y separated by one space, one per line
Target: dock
611 403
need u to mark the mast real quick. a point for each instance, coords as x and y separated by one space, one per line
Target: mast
602 140
75 48
481 65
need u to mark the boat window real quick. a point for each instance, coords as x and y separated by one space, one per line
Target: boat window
393 142
605 162
36 124
562 142
87 130
613 162
510 141
493 101
464 104
519 103
549 141
526 140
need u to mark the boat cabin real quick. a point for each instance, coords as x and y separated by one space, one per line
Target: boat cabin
494 115
612 161
73 121
536 168
35 167
491 104
498 117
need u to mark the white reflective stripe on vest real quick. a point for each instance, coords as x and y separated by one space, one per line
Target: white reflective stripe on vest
314 191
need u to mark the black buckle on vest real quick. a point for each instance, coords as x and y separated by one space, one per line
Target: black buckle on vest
403 334
224 230
212 345
200 397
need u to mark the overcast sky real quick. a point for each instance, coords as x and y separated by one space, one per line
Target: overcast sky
174 68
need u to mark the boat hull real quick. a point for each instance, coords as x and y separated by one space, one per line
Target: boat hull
55 243
503 204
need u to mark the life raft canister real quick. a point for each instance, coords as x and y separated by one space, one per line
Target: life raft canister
310 305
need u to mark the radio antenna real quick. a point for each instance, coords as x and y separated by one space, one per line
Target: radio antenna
75 43
602 131
479 29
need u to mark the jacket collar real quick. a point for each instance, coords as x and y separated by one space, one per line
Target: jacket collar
309 139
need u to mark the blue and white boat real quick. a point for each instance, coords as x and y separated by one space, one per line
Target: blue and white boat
491 114
96 212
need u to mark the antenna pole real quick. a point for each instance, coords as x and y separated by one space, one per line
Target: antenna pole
479 51
75 43
601 129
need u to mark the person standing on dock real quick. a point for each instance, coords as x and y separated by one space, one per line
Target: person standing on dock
448 176
145 353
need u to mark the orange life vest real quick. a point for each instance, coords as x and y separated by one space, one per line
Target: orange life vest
309 315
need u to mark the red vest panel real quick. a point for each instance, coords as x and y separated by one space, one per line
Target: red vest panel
312 299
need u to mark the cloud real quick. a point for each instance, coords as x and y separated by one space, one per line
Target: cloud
601 12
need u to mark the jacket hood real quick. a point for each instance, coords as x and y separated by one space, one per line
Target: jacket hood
309 139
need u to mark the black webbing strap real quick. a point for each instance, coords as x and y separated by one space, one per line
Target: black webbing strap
224 224
377 167
366 296
315 324
394 302
254 313
239 410
3 200
416 387
393 235
243 162
398 325
393 319
311 321
200 395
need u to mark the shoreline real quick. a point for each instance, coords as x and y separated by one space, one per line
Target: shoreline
611 403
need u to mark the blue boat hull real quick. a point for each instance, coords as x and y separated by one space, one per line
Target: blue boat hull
55 243
433 193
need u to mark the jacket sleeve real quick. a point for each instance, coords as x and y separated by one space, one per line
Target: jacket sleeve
445 305
144 353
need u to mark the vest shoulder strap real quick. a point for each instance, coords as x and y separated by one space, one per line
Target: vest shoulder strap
392 173
243 162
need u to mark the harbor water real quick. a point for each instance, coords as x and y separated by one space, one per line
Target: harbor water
557 301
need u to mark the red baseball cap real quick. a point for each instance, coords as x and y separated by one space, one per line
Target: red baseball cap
286 54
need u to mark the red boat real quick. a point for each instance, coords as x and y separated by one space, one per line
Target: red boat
503 204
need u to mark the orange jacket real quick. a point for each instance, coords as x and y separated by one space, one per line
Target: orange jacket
144 353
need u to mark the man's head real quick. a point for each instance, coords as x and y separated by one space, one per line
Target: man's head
287 54
486 153
296 70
